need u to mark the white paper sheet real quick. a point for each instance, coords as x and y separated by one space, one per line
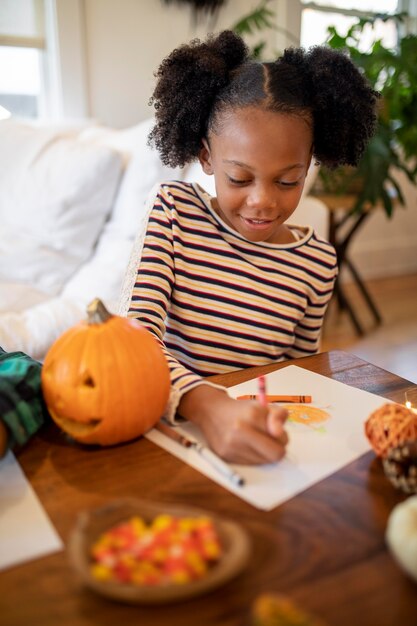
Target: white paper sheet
316 449
25 529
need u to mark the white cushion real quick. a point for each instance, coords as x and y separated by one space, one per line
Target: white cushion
143 169
16 297
56 193
34 330
102 275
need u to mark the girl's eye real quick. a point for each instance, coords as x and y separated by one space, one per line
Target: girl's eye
284 183
235 181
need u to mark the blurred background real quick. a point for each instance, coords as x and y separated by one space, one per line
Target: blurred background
92 62
95 58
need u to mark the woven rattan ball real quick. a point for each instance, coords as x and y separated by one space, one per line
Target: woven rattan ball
390 426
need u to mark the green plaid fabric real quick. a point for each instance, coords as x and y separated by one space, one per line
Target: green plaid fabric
22 407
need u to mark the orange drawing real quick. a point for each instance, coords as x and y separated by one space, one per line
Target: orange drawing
310 416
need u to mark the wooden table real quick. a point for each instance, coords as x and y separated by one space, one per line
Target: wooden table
324 548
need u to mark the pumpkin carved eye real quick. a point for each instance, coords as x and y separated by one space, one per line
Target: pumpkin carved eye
131 384
88 381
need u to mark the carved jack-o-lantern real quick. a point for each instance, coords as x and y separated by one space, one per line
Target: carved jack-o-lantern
105 380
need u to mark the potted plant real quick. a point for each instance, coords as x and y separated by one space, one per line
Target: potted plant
261 18
392 72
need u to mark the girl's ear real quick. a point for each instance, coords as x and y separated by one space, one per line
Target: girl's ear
311 157
205 158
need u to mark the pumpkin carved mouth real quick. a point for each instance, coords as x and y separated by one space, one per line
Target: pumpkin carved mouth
74 427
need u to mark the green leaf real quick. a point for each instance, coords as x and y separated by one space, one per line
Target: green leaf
261 17
257 51
397 188
393 72
387 202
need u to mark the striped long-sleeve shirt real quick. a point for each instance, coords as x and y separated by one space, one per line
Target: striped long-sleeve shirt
218 302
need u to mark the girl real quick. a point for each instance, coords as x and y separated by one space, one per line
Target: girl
226 282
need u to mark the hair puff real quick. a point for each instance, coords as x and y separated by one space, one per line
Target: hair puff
342 103
188 81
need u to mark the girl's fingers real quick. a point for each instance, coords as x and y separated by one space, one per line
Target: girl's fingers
247 432
249 444
265 433
275 421
260 446
270 419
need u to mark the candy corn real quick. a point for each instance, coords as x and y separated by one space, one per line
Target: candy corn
169 550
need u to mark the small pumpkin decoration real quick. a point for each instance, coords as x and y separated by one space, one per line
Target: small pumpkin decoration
274 609
106 379
401 535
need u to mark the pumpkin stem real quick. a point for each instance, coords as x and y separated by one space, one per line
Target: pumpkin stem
97 312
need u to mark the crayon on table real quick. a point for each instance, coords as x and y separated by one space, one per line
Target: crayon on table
272 398
203 451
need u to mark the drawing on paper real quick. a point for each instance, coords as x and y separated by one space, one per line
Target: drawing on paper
310 416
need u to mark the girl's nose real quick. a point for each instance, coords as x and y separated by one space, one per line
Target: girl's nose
262 197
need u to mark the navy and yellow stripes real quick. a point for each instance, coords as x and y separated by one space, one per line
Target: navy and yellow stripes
218 302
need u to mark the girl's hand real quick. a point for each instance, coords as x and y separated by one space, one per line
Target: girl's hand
240 431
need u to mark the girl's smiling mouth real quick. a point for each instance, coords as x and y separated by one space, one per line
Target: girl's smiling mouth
256 224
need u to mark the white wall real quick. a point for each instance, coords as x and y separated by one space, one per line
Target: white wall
125 40
388 246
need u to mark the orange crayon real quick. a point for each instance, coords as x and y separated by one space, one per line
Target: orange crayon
300 399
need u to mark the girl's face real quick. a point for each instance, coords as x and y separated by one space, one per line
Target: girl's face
260 161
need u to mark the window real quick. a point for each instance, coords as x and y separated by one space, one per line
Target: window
22 45
20 81
42 59
318 15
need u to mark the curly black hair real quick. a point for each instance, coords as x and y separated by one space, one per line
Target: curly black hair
198 81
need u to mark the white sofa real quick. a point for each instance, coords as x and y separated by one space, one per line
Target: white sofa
70 207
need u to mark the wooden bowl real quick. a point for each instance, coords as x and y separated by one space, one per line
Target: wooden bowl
91 524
